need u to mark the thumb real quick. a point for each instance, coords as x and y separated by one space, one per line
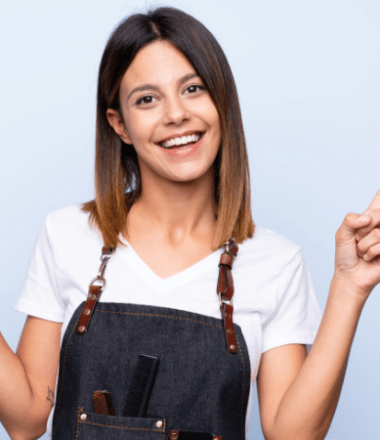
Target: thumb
350 224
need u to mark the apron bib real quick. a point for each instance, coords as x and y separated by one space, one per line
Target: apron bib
201 384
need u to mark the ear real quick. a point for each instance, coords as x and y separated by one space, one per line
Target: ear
118 125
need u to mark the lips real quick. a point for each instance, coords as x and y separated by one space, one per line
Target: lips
187 133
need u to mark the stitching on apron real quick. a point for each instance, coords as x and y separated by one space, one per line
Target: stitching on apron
242 394
161 316
163 430
63 364
121 427
79 412
118 427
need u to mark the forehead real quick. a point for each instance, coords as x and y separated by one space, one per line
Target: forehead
157 63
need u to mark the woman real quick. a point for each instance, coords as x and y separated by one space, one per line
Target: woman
163 213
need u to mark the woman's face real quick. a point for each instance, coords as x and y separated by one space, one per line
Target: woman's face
162 98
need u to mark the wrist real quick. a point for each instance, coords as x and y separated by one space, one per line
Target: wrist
344 288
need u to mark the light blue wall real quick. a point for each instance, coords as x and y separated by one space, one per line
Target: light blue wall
307 74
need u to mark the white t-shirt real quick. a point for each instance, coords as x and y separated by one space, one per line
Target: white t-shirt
274 300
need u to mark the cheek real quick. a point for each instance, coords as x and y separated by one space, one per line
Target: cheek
216 126
138 127
209 114
214 119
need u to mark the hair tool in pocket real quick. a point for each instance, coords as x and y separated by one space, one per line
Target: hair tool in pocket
141 386
103 403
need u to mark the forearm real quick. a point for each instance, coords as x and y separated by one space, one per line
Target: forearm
18 406
308 406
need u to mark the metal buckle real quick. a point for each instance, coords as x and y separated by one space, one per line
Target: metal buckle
221 302
102 268
104 259
106 256
101 279
227 246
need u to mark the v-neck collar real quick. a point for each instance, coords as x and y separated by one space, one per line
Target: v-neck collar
174 281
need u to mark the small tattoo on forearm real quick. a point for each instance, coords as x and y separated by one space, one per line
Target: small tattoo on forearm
50 397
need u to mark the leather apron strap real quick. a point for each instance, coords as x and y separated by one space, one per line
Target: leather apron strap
94 291
225 290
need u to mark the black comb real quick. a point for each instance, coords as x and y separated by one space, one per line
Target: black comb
141 386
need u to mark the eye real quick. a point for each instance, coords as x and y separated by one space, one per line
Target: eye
148 99
143 100
194 86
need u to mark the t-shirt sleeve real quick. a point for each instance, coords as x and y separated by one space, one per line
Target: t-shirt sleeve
39 295
297 314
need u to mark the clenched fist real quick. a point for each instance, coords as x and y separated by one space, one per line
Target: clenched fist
357 248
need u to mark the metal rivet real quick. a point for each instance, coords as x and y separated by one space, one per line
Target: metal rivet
86 311
82 328
83 416
92 297
174 436
159 424
229 331
232 347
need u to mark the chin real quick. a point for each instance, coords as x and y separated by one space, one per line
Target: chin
186 179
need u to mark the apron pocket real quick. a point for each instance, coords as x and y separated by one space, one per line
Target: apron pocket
92 426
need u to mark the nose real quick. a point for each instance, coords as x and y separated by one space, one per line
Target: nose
175 111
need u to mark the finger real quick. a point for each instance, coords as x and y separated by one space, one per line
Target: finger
373 252
371 240
375 203
362 232
350 225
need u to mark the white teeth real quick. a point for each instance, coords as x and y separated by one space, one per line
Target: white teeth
181 140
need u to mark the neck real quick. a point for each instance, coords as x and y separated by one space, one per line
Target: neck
175 211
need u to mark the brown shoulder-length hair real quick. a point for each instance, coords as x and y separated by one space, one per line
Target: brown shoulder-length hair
117 173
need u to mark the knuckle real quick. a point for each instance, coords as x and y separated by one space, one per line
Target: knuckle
349 217
359 235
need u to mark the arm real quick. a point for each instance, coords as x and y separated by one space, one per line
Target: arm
28 378
309 387
298 394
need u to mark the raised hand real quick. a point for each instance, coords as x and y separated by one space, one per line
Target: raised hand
357 248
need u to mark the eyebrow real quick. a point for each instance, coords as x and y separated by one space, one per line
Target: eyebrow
156 87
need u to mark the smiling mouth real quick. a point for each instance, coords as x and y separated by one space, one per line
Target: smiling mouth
199 133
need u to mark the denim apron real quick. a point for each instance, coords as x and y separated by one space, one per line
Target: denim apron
202 381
